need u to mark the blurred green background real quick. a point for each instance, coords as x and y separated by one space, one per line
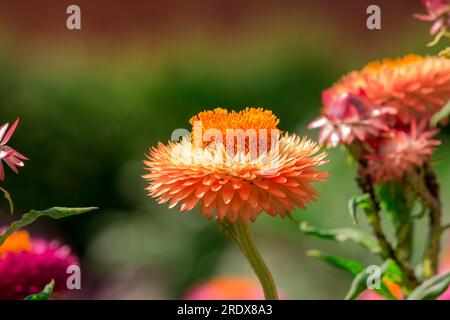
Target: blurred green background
92 101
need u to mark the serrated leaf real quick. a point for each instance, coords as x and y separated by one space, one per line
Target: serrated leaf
348 265
44 294
431 288
342 235
7 196
30 217
360 201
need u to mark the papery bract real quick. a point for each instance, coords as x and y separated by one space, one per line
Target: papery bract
438 11
400 151
350 117
11 157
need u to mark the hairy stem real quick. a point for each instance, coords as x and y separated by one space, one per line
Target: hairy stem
427 188
387 251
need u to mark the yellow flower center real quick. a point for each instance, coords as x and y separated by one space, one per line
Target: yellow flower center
249 118
226 122
17 242
393 63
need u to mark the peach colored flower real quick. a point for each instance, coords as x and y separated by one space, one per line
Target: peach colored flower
238 186
400 151
413 85
226 288
350 117
10 156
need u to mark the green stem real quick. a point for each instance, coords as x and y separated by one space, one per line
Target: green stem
250 251
427 188
387 251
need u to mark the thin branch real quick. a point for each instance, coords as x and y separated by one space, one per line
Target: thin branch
365 183
427 188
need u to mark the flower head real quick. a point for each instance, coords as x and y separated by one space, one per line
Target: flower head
400 151
238 182
413 85
350 117
10 156
226 288
27 265
438 11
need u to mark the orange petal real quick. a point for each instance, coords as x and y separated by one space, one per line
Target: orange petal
244 191
253 197
209 198
227 193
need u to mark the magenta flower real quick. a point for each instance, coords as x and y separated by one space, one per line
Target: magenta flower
437 11
350 117
27 265
10 156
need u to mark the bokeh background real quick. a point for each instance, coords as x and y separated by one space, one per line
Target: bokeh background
92 101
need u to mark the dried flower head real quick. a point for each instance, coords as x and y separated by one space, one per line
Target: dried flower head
238 182
400 151
413 85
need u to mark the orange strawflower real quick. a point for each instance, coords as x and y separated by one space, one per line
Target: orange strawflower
17 242
238 185
414 85
226 288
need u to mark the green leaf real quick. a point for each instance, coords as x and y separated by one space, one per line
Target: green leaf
360 201
30 217
342 235
445 53
394 201
359 284
9 199
44 294
431 288
441 114
393 272
351 266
